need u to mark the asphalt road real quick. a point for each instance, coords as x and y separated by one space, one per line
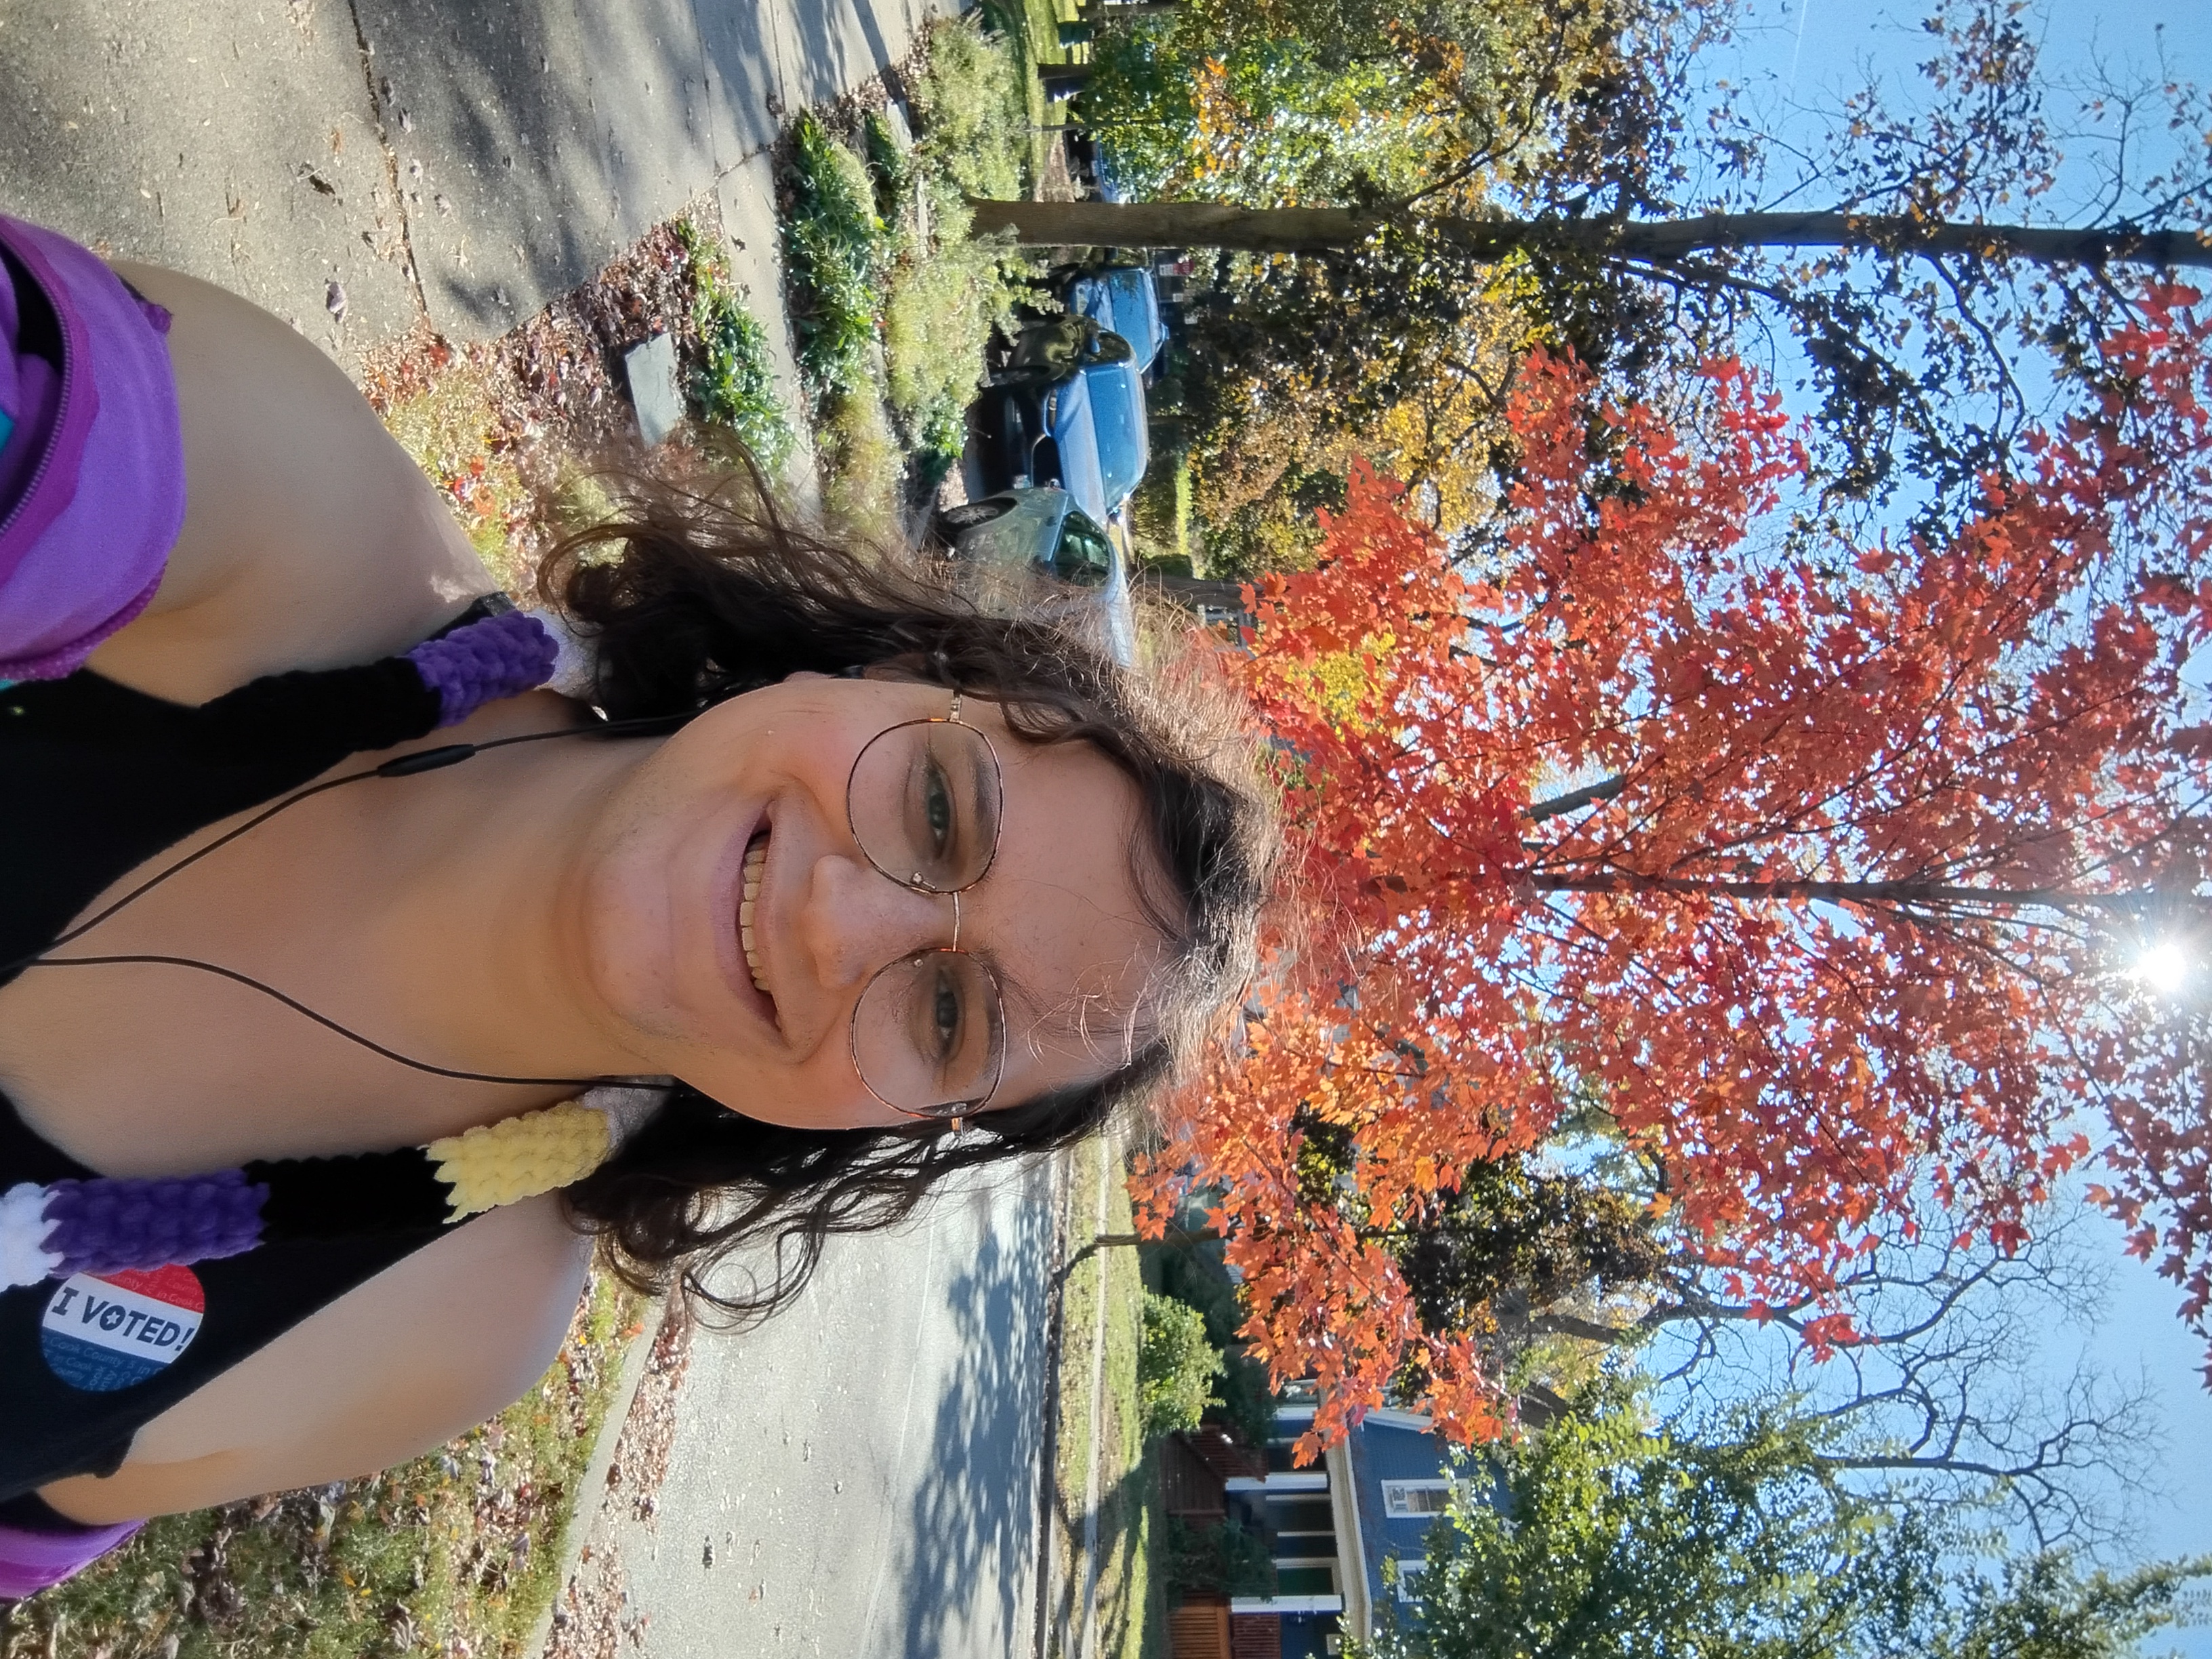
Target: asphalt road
465 162
860 1476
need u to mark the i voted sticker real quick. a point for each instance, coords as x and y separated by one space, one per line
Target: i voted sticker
107 1331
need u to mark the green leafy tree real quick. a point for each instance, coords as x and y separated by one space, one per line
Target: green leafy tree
1176 1367
1325 104
1515 1251
1926 270
1606 1537
1194 1273
1261 120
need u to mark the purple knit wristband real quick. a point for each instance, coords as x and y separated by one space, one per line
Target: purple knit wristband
498 657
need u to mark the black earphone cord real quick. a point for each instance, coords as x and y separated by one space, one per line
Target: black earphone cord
404 766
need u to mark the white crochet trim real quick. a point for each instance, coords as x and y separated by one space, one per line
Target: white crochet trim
626 1109
23 1229
575 668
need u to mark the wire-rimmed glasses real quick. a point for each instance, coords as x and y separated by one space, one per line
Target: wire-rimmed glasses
929 1032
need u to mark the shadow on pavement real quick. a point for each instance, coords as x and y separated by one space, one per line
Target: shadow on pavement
550 135
833 59
1120 1508
973 1519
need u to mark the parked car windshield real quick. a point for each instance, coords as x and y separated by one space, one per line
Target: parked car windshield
1122 298
1075 434
1117 415
1084 555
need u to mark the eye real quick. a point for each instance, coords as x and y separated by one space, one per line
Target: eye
945 1019
937 808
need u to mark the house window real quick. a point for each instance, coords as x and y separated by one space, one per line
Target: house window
1305 1576
1302 1515
1410 1568
1416 1497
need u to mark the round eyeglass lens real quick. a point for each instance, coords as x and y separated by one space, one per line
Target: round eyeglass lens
929 1033
924 798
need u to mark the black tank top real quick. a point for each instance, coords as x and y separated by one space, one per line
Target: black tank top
96 779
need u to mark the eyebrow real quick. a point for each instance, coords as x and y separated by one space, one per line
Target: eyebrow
982 781
1011 989
984 785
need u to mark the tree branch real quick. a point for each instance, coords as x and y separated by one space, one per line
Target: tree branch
1317 230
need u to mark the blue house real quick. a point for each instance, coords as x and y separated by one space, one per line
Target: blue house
1330 1529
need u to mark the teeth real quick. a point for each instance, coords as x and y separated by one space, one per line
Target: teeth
748 900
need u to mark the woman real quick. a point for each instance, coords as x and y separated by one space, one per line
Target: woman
847 885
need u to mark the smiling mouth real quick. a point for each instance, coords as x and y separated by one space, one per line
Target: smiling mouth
749 910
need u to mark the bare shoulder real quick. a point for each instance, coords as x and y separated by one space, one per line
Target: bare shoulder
440 1341
311 539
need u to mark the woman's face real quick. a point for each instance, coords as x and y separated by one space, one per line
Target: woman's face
731 920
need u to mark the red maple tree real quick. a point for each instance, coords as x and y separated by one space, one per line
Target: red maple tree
1822 867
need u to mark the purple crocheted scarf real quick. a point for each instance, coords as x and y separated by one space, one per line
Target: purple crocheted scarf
101 1225
497 657
106 1224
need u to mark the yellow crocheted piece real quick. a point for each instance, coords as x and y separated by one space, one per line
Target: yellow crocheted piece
518 1157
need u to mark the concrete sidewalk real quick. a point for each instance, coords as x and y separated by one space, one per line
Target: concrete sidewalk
356 165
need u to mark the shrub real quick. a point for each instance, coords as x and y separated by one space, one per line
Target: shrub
1195 1275
892 302
1224 1559
893 172
734 386
950 292
859 464
1160 511
1176 1368
974 117
943 309
833 241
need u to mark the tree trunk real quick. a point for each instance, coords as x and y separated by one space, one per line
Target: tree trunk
1174 1236
1658 241
1064 78
1925 895
1194 590
1173 224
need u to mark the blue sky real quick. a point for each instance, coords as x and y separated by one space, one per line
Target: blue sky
1815 50
1799 56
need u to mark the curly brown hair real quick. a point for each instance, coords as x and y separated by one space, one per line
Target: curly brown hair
699 587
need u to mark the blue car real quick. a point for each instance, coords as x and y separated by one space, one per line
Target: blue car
1068 410
1124 299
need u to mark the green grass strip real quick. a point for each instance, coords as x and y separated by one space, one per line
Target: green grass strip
463 1545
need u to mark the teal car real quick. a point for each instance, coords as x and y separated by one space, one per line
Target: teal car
1042 528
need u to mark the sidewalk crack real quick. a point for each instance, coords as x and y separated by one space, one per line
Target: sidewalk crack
413 268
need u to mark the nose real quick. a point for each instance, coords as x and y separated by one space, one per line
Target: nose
855 919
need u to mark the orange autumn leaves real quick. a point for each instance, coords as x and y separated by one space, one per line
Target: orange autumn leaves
1839 938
